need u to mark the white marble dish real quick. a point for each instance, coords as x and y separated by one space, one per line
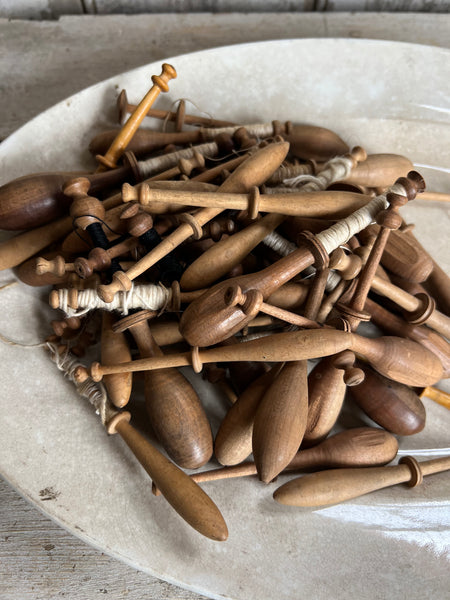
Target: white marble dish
386 96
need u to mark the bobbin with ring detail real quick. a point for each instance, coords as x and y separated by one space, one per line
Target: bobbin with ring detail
416 471
196 361
253 203
197 231
423 312
310 241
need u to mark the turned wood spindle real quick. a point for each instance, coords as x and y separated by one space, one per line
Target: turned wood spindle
396 358
183 494
331 487
120 142
327 384
395 325
420 309
114 348
233 442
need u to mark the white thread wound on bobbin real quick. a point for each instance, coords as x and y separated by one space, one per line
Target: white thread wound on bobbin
259 130
94 392
167 161
336 169
343 230
151 297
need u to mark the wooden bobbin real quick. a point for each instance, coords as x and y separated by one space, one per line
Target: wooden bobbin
395 407
331 487
327 384
175 412
118 146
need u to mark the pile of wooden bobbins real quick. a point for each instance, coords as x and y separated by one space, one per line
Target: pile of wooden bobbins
244 252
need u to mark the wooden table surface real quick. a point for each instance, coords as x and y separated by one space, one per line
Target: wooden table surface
43 62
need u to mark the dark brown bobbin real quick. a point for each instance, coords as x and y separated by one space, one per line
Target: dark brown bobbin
243 139
130 161
60 327
217 228
416 471
423 312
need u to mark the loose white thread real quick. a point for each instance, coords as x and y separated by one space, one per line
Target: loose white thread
94 392
426 452
258 130
336 169
151 297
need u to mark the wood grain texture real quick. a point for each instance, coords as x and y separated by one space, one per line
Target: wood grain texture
41 561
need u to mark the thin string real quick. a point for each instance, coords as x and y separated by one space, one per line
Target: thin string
200 110
94 392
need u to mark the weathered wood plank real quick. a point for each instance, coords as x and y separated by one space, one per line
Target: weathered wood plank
41 561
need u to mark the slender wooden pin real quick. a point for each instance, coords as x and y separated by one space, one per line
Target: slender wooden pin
118 146
358 447
338 485
397 358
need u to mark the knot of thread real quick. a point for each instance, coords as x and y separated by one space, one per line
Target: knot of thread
94 392
336 169
151 297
